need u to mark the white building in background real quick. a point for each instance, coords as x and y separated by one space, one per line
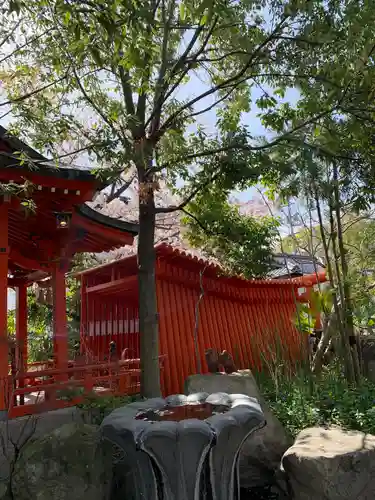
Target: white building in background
11 300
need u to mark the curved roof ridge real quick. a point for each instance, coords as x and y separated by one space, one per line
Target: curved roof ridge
167 250
86 211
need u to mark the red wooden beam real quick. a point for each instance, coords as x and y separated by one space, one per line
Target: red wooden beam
60 332
112 286
26 262
14 282
21 327
4 250
87 188
21 332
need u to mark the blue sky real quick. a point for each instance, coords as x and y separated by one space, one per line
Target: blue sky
196 87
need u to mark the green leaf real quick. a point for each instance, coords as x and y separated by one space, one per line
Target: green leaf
67 17
317 131
205 4
96 56
203 20
182 11
77 31
15 6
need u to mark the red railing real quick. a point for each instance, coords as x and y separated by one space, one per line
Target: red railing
51 389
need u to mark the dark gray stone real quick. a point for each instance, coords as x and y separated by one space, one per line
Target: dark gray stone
262 451
186 460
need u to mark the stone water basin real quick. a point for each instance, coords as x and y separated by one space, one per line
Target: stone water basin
182 447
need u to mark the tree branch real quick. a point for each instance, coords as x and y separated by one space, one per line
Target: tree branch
192 60
160 86
127 91
93 104
208 108
142 97
33 92
231 80
28 42
10 33
120 191
178 64
192 195
303 40
245 147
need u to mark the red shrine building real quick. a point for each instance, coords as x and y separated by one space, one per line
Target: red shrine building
44 222
199 308
39 241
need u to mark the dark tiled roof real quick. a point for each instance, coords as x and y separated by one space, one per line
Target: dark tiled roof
306 264
9 159
298 258
291 265
285 272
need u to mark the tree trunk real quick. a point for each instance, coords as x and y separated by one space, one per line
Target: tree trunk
348 309
348 360
148 312
328 329
336 262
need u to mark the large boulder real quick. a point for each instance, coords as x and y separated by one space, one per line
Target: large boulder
69 463
262 451
332 464
15 433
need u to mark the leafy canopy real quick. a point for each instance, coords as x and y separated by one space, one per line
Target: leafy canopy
131 83
241 243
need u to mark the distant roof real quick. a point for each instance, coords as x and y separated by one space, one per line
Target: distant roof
285 272
294 264
297 256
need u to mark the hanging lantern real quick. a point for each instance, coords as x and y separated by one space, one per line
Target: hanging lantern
63 220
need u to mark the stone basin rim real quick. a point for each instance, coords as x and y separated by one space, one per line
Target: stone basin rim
234 403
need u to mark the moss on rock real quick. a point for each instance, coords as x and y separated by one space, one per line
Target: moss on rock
70 463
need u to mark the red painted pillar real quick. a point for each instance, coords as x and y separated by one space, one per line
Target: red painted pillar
4 357
60 331
21 333
84 326
21 327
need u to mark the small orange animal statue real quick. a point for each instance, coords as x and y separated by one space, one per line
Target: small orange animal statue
212 360
226 360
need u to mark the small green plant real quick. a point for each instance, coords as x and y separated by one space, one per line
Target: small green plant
98 407
69 393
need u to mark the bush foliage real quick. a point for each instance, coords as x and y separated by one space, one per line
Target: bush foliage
305 401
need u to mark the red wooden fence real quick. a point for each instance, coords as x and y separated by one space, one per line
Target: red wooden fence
251 319
111 320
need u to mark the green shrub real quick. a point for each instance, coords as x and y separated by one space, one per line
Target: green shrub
304 401
98 407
